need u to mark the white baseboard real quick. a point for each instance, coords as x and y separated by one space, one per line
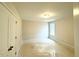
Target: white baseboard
64 44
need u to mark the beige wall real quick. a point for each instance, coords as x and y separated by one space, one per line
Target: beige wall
64 32
33 30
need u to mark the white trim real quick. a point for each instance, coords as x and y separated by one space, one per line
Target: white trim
64 43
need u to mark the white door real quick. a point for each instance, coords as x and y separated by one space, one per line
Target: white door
12 36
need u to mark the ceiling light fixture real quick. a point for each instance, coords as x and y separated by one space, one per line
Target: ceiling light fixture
46 15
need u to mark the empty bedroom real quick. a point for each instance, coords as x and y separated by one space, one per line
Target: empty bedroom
39 29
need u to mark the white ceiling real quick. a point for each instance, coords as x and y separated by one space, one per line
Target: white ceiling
33 10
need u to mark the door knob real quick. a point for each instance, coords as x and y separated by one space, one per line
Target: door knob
10 48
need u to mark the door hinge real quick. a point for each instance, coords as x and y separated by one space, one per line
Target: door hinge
15 37
16 22
15 53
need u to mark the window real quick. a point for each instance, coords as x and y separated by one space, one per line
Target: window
51 26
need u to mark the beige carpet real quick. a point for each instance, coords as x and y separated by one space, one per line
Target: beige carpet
37 50
45 50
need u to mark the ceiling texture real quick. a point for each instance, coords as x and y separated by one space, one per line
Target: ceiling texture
32 10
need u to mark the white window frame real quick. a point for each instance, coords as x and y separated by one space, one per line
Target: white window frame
49 36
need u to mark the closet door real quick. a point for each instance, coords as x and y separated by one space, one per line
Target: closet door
3 31
12 36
